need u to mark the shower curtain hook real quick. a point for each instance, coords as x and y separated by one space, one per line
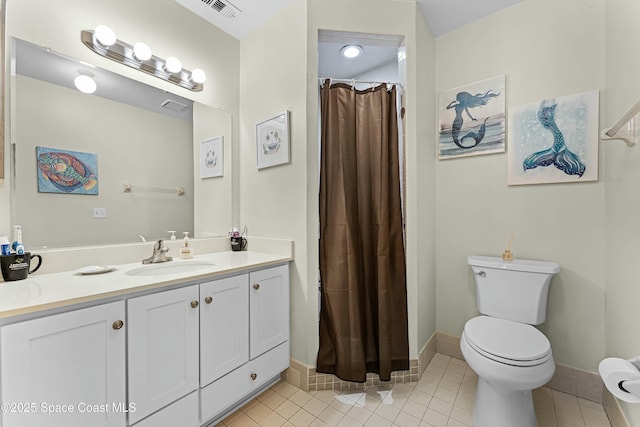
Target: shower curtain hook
353 84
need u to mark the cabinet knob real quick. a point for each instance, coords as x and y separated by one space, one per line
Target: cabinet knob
256 286
194 304
208 300
118 324
254 376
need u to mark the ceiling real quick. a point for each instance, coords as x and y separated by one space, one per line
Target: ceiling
240 17
444 16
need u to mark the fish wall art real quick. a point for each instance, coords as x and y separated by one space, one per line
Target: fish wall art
67 172
472 119
554 140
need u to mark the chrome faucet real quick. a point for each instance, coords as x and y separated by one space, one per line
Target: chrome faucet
159 254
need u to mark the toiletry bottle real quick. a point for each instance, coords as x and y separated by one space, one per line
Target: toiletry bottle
186 251
6 245
17 245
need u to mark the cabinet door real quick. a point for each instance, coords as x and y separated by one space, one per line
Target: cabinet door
268 309
67 370
224 327
163 349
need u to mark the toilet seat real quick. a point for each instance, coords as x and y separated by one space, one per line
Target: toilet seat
507 342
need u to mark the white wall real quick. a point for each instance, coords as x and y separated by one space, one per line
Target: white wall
622 195
545 48
160 23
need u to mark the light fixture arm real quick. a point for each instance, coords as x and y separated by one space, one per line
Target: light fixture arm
122 53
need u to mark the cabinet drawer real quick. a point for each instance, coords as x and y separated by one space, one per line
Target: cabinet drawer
239 384
183 413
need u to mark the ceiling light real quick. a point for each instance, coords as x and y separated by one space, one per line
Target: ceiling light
103 41
198 76
141 52
105 35
351 51
84 82
173 65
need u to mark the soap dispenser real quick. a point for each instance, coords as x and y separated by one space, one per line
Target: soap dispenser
186 251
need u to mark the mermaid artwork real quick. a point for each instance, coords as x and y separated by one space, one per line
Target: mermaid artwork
464 101
558 155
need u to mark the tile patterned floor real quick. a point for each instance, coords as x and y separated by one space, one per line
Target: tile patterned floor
442 398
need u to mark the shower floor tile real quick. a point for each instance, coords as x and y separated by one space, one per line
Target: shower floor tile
443 397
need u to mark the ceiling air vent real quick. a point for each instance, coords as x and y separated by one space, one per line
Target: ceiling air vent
225 8
173 105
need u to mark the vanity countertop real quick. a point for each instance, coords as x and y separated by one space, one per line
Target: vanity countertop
47 291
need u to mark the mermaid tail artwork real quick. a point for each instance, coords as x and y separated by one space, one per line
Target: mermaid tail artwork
464 101
558 155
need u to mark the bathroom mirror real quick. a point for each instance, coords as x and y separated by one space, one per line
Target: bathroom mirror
139 139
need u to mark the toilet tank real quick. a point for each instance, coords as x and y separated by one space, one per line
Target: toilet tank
514 290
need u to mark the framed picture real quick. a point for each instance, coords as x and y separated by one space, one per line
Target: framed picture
472 119
212 157
66 172
272 141
554 140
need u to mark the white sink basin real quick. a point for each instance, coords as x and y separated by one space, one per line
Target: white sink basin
171 267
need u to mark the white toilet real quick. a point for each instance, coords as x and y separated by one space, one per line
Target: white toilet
510 356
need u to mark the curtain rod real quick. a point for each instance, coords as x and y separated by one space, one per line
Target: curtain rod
353 81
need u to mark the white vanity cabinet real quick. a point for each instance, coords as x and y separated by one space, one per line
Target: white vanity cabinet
162 349
269 305
183 356
65 370
268 340
224 327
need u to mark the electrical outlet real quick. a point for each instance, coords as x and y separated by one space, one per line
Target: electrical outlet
99 212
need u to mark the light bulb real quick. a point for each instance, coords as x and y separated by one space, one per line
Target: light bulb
351 51
141 52
85 83
105 35
198 76
173 65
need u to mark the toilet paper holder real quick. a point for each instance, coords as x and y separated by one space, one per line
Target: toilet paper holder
625 388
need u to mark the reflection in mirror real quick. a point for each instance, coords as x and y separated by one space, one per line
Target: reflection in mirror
129 132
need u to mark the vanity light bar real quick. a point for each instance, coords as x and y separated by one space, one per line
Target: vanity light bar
122 53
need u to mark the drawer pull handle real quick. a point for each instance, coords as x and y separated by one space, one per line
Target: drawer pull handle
254 376
208 300
256 286
118 324
194 304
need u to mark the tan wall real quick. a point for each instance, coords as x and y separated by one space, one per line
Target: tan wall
273 200
546 49
394 18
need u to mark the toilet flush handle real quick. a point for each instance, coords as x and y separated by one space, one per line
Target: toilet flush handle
482 274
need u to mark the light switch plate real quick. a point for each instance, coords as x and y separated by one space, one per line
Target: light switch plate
99 212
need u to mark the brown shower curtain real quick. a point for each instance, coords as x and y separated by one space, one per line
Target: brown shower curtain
363 318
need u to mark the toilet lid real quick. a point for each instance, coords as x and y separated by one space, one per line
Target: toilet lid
506 341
